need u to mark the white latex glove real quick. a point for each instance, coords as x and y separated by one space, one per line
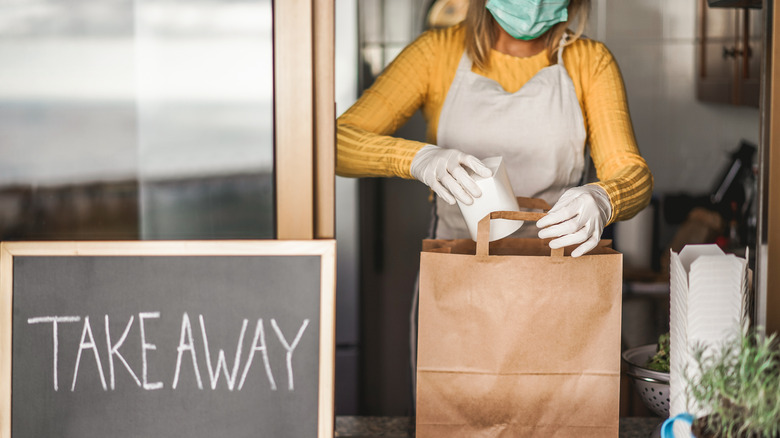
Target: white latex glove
577 218
443 170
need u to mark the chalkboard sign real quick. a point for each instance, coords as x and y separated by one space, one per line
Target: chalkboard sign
167 339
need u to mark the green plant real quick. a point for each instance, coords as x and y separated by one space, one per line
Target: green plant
660 361
737 388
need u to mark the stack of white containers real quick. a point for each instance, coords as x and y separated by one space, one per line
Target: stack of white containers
709 303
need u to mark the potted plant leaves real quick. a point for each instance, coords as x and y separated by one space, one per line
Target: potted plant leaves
737 389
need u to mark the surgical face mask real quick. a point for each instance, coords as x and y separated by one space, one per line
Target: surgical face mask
528 19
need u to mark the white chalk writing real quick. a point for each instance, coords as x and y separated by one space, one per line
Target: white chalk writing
259 336
88 346
113 350
55 336
145 346
221 361
289 347
186 330
217 363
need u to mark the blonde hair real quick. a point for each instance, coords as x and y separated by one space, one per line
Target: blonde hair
482 30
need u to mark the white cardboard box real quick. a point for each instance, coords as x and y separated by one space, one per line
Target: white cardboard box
708 294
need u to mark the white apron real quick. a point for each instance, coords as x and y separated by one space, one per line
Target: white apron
539 130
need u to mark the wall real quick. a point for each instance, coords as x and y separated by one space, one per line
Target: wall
684 141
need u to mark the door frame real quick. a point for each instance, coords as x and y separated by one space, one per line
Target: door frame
304 119
767 278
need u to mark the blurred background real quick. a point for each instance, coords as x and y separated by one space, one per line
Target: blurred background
140 119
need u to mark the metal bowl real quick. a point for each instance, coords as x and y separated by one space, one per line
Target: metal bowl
653 386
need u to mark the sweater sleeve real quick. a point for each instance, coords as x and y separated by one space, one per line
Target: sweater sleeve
622 172
364 146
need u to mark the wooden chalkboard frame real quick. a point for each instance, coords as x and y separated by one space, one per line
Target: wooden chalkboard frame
325 249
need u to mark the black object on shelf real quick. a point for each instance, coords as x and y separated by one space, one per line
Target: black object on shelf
755 4
735 184
732 196
677 206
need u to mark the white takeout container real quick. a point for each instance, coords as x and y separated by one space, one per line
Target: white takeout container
497 195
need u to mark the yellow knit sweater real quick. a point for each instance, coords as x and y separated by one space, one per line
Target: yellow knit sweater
420 77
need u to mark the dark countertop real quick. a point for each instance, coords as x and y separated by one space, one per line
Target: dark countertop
403 427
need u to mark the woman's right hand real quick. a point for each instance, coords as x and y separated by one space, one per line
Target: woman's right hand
443 170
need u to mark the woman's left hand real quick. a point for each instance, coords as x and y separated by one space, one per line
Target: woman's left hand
578 217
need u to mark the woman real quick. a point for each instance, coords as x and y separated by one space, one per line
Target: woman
510 81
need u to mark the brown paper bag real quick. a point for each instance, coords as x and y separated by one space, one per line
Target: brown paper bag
520 342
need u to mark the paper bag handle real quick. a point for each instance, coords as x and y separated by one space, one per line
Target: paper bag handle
483 227
533 203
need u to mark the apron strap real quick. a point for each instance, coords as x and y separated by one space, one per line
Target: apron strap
564 40
465 63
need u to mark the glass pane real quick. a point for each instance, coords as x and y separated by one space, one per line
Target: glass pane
124 119
205 118
68 160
